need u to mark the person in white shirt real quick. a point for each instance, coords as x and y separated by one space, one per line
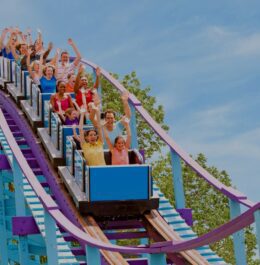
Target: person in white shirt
65 67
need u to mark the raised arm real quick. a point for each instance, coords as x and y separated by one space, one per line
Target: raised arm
2 38
77 81
14 53
94 115
109 144
28 63
81 131
74 47
47 52
96 85
29 35
54 60
127 110
39 37
75 135
128 133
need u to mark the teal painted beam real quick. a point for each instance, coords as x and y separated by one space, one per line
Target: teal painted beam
20 211
177 181
50 239
238 237
257 225
93 256
144 241
157 259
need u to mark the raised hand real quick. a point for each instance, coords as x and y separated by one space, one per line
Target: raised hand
70 41
98 71
81 68
29 51
50 45
58 51
96 99
125 96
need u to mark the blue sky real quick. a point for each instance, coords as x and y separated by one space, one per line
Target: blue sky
201 59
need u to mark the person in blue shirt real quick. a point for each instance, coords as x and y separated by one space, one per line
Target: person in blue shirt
113 128
48 80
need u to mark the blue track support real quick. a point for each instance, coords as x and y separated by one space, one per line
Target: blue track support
3 232
93 256
238 237
134 142
144 241
257 225
20 211
157 259
177 181
19 195
50 239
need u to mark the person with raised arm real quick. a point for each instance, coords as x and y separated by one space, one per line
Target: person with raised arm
65 67
18 56
91 141
119 149
38 50
34 68
84 93
116 128
6 48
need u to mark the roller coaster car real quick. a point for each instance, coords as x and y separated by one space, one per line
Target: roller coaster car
120 192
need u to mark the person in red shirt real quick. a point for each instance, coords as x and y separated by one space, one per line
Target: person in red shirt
84 93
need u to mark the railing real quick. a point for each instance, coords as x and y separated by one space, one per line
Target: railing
177 154
236 198
52 209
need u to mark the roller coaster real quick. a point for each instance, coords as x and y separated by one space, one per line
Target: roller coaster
54 209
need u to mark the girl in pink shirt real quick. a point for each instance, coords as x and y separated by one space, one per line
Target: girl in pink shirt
121 146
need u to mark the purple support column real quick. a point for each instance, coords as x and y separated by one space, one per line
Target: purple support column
4 164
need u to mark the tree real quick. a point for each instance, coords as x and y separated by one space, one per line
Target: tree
210 207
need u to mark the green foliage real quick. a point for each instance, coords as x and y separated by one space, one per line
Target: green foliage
210 207
147 139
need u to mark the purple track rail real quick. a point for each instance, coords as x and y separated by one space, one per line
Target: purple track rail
68 221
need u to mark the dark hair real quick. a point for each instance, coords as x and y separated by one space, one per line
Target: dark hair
60 81
86 133
117 138
64 52
109 111
70 74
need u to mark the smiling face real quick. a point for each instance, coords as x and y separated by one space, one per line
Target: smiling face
64 57
73 115
72 79
23 49
91 136
36 66
61 87
110 118
83 82
49 72
119 143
